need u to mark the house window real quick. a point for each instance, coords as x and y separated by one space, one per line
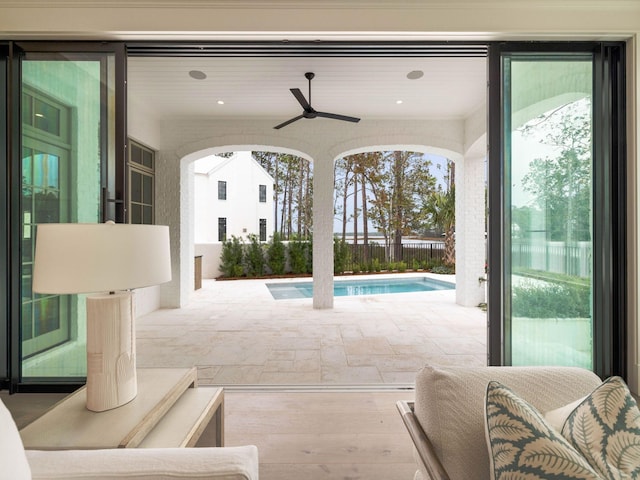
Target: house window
222 190
263 229
263 193
141 184
222 229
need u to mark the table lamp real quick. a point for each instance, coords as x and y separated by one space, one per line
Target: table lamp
108 260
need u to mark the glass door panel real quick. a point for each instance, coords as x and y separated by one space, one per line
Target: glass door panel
547 187
45 318
67 140
5 281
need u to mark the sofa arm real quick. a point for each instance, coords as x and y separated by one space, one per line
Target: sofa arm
222 463
421 442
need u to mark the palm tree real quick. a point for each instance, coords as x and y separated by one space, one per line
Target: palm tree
441 209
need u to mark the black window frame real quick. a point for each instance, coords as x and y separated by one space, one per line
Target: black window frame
222 229
222 189
263 229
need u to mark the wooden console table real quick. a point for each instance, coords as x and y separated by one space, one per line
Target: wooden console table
170 410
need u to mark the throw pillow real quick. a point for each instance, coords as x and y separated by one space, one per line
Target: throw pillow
605 429
523 446
12 456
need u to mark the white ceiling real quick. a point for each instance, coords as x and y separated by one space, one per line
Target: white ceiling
451 88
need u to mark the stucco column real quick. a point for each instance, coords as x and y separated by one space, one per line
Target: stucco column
322 234
470 232
172 196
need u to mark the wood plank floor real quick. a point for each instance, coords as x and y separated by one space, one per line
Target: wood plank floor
323 435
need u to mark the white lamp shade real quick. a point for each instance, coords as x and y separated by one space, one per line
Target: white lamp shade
88 258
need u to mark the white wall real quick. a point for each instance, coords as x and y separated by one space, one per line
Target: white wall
211 253
205 228
143 127
242 207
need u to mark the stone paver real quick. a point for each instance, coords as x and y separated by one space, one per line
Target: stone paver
237 334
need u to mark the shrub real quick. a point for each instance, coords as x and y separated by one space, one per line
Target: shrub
355 268
375 265
276 255
298 256
254 257
402 267
551 300
432 263
443 270
340 255
231 257
415 264
310 255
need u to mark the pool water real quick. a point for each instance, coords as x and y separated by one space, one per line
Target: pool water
342 288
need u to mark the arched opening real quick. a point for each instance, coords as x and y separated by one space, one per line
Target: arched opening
350 341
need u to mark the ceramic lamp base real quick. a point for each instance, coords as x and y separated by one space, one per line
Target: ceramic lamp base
111 351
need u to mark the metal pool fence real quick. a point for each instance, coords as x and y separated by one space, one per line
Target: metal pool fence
411 254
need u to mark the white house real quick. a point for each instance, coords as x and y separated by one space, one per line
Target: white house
233 196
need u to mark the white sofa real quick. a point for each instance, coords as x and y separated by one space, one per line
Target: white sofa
446 423
16 463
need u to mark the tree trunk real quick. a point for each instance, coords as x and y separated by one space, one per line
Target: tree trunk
276 189
290 205
300 189
355 208
398 169
450 247
308 202
344 207
285 200
365 220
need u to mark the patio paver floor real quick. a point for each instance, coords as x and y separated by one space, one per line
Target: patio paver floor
237 334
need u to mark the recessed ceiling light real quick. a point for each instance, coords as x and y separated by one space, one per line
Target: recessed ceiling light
197 75
220 102
398 102
415 74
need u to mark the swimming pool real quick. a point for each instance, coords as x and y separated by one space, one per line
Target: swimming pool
342 288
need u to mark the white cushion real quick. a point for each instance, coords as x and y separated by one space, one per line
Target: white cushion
13 460
557 417
225 463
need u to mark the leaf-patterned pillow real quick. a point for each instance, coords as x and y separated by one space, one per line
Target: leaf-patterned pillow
605 429
522 446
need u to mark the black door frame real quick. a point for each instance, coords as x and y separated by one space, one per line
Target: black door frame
113 180
610 212
612 73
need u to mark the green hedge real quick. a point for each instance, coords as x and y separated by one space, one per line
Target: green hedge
551 300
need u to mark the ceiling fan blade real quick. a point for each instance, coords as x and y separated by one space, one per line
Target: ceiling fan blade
335 116
300 97
284 124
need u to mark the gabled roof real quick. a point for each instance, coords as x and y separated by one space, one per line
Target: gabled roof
213 163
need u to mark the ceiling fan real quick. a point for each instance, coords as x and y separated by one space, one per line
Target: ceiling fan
308 110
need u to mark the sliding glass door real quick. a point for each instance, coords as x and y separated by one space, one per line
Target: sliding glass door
556 190
4 220
66 167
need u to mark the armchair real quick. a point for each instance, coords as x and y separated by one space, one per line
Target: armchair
226 463
446 422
